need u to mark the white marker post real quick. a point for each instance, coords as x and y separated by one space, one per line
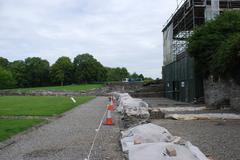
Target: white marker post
74 101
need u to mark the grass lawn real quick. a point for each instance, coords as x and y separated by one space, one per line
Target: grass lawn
10 127
81 87
38 105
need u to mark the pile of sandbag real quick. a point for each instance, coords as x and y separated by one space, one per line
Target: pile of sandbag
152 142
134 110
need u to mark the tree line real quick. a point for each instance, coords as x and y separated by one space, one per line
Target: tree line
215 47
34 72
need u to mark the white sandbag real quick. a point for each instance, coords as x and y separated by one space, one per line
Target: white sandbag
127 102
137 112
157 151
145 133
122 97
134 110
196 151
135 106
210 116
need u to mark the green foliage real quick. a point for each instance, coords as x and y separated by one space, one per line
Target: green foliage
6 79
62 71
18 69
135 75
10 127
141 76
38 105
227 59
117 74
37 71
146 79
3 62
215 46
88 69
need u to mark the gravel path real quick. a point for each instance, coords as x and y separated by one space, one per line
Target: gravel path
220 139
69 137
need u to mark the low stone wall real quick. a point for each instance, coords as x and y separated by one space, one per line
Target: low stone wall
220 93
94 92
111 87
235 96
125 87
136 89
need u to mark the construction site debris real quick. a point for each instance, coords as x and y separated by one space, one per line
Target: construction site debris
146 133
181 109
134 110
152 142
171 151
156 113
206 116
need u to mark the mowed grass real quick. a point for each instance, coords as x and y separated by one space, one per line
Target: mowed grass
81 87
38 105
9 128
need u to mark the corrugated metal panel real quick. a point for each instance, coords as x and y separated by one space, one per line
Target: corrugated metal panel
180 81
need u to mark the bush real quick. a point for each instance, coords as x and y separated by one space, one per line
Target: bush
215 46
6 79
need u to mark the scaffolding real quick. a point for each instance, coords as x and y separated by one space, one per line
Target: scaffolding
180 79
190 14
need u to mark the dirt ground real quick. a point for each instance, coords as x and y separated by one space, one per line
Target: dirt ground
217 138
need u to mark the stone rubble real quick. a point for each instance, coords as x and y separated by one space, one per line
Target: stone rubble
134 111
145 140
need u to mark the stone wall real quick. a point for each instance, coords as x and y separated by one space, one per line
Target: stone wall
125 87
137 89
94 92
222 93
235 96
111 87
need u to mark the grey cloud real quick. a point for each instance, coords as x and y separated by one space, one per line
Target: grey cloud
117 32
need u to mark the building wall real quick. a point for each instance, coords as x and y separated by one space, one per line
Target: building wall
168 56
220 92
181 83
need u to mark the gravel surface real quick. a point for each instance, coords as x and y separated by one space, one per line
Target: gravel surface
220 139
164 102
69 137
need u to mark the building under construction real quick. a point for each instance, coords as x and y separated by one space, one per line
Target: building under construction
182 83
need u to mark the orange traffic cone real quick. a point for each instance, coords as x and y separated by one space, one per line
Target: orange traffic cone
108 120
110 107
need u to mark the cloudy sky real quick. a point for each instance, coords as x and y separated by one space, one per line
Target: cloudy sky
125 33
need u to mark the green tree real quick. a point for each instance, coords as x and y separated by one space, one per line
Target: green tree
117 74
227 59
6 79
37 71
4 62
123 73
88 69
62 71
18 69
214 46
134 75
141 76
